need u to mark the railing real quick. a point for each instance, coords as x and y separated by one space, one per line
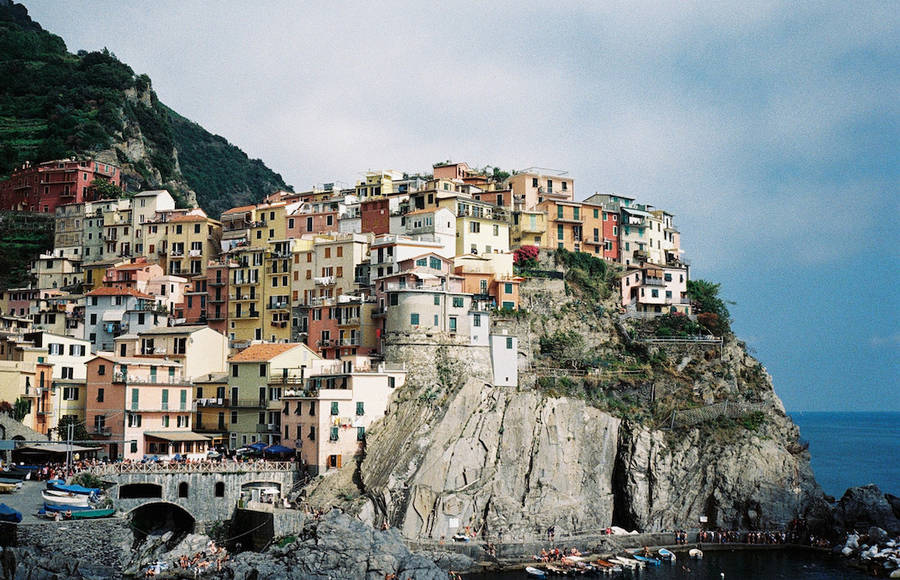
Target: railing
324 281
199 467
689 417
211 402
194 253
268 428
702 339
159 380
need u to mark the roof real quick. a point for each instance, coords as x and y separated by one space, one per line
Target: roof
135 360
242 209
174 329
176 435
212 378
263 352
189 218
150 192
57 448
134 266
109 291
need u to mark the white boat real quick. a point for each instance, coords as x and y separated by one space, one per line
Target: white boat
537 573
627 562
64 498
667 555
696 553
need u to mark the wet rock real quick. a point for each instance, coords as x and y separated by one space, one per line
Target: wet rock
865 506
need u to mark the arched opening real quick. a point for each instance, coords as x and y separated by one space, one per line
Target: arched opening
139 490
183 489
220 489
159 517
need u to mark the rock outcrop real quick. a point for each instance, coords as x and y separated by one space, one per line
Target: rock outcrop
337 547
865 506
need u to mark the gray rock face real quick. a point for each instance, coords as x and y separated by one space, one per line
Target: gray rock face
862 507
337 546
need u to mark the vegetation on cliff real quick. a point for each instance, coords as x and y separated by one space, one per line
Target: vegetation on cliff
55 104
25 236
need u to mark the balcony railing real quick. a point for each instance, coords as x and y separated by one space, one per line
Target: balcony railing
159 380
268 428
103 431
212 402
324 281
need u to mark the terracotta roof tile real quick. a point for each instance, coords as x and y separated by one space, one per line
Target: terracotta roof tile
263 352
108 291
189 218
242 209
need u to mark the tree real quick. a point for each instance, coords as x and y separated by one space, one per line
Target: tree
21 408
711 310
79 432
105 189
563 346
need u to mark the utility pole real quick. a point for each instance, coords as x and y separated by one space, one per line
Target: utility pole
70 430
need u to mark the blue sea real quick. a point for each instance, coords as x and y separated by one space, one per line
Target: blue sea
851 449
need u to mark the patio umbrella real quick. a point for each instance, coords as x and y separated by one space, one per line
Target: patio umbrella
278 449
258 446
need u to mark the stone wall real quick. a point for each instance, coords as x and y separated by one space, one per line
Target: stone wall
425 357
102 543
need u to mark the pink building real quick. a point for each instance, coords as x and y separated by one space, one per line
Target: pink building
45 186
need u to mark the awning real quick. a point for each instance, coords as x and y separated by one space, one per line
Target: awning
424 276
176 435
113 315
55 448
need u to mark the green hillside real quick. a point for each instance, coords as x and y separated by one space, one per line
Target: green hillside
54 104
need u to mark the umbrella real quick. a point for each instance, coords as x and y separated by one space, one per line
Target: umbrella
278 449
7 514
258 446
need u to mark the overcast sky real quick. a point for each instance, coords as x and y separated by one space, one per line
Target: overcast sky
769 128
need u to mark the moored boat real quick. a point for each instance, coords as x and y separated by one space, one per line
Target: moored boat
646 560
90 514
53 507
535 572
696 553
9 487
8 514
54 485
666 554
62 498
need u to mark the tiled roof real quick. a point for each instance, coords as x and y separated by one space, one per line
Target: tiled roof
189 218
137 266
263 352
108 291
186 329
242 209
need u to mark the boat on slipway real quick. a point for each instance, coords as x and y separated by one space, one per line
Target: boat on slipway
62 498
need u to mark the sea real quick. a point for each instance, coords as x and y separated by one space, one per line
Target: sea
848 449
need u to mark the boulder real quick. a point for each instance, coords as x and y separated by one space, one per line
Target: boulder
866 506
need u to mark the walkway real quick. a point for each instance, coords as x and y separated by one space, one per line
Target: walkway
201 467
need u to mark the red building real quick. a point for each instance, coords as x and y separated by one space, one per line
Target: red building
375 216
611 235
45 186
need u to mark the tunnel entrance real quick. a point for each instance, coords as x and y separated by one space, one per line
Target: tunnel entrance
155 519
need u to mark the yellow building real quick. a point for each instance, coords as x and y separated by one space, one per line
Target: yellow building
193 240
326 268
528 228
532 186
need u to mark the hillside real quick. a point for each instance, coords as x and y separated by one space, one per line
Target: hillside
55 104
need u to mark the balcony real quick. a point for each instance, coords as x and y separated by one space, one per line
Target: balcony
151 380
220 428
250 314
640 255
278 306
268 428
348 342
324 281
101 431
195 253
216 299
352 321
217 282
653 282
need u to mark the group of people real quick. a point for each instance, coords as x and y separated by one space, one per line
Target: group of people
555 555
681 537
204 560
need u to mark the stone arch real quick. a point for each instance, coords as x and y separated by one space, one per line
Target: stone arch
153 515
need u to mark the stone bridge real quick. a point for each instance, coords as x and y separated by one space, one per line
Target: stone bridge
207 492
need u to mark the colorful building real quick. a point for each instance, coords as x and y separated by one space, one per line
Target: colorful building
45 186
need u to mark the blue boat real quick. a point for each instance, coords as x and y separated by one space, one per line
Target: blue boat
53 507
77 489
646 560
7 514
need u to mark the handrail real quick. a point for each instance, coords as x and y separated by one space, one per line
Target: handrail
203 467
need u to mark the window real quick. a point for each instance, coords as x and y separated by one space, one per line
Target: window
507 287
476 320
436 320
334 408
134 446
183 489
262 369
101 370
559 212
360 408
312 408
654 293
334 434
496 230
596 214
509 343
312 433
182 403
360 433
234 370
100 395
576 212
534 182
559 232
234 417
180 346
220 489
474 227
422 262
434 263
414 319
452 324
667 277
70 393
165 421
165 399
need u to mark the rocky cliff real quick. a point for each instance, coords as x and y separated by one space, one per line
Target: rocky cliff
585 448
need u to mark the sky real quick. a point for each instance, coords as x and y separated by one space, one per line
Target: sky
770 129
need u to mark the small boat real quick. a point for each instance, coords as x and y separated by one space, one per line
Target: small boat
51 496
7 514
10 480
627 562
696 553
535 572
9 487
90 514
646 560
53 485
52 507
667 555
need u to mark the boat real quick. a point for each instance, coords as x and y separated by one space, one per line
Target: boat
7 514
9 487
53 507
626 562
10 480
667 555
62 498
696 553
646 560
53 485
93 513
535 572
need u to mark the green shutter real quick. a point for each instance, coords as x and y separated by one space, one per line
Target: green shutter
360 408
165 399
334 407
184 399
360 433
334 433
134 399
